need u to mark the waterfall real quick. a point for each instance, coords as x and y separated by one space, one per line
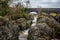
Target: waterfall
24 34
34 21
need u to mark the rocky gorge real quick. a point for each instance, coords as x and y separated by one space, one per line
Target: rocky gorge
11 29
40 28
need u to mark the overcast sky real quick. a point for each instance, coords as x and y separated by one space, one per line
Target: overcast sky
43 3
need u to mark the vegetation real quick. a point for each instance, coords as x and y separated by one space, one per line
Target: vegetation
4 8
12 13
53 14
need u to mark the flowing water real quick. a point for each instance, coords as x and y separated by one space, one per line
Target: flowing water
24 34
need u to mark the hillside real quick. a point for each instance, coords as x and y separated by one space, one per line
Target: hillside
48 10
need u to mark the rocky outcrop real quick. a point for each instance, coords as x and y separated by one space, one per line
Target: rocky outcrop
8 30
40 32
53 24
47 28
23 23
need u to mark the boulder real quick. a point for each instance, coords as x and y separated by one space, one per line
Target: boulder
23 23
8 30
40 32
53 24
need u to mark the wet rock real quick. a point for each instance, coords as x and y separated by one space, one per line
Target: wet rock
8 30
40 32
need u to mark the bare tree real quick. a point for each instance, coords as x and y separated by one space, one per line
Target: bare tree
39 9
28 3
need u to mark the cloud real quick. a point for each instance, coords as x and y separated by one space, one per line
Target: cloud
42 3
49 0
46 3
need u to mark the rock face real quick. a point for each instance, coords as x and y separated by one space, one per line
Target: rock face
40 32
8 30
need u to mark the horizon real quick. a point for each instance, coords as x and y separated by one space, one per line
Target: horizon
39 3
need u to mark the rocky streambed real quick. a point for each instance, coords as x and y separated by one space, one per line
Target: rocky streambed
40 28
45 29
24 34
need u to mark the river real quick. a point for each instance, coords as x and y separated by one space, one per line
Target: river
24 34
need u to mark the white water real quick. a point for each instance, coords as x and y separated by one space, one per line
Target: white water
34 21
24 34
